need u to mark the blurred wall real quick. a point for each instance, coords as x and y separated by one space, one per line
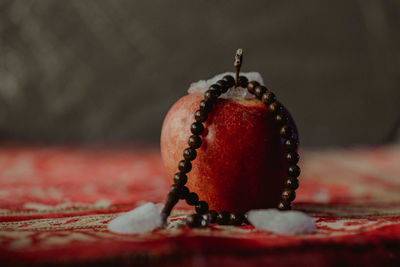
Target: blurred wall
110 70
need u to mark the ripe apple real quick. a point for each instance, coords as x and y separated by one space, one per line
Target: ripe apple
240 164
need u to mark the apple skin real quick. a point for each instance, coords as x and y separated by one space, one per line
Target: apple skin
240 164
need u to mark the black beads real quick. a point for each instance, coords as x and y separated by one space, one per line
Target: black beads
223 218
197 128
292 157
189 153
193 220
185 166
281 118
205 105
292 183
236 218
293 171
183 192
213 216
286 131
252 86
180 178
288 195
223 85
194 141
230 81
283 205
210 95
267 98
291 144
274 107
192 199
259 91
242 81
200 115
201 207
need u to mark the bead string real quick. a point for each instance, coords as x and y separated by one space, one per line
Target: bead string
178 190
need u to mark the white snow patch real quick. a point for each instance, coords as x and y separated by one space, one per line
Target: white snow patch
143 219
233 93
282 222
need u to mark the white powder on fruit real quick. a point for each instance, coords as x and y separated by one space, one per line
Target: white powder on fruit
233 93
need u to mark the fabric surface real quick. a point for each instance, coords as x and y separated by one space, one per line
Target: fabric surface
55 202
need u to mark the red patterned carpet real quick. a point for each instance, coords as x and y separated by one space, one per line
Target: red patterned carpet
55 202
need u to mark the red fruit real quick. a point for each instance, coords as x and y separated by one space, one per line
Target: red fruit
240 164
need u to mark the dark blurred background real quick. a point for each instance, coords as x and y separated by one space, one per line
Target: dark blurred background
110 70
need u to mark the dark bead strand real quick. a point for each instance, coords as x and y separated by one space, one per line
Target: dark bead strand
185 166
192 199
193 220
201 207
194 141
236 218
267 98
252 86
205 105
286 131
200 115
189 153
180 179
259 91
224 85
243 82
213 216
203 216
229 80
292 157
223 218
292 183
197 128
293 171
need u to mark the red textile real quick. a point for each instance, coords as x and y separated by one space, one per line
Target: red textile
55 202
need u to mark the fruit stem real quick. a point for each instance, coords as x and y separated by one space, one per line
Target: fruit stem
238 63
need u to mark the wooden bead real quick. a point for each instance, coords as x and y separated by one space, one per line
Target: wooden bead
230 80
284 205
201 207
200 115
205 105
197 128
288 195
292 183
185 166
189 153
267 98
193 220
243 81
192 199
274 107
292 157
286 131
213 216
223 218
183 192
211 95
259 91
291 144
194 141
224 85
281 118
180 178
252 86
293 171
236 218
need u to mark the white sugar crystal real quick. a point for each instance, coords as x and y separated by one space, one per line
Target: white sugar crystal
143 219
234 93
282 222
